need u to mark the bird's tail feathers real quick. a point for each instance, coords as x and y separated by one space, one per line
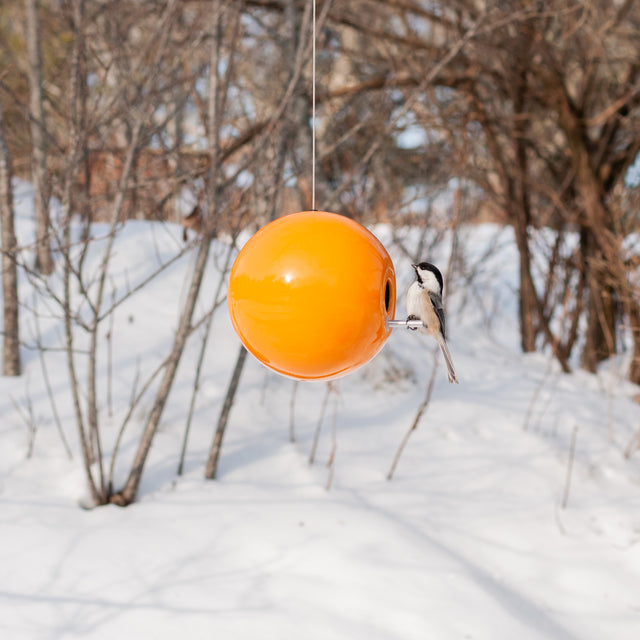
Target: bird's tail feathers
451 372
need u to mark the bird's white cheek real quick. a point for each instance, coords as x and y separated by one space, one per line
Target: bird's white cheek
429 281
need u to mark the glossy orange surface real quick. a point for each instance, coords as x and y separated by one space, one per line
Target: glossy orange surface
310 294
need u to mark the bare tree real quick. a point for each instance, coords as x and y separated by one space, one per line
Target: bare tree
217 100
531 108
93 288
540 109
566 136
11 331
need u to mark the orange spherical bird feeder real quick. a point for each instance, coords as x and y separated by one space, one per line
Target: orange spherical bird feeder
310 295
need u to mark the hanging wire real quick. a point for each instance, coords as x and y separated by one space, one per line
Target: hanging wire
313 110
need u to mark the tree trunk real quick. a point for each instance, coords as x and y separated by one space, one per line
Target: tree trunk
601 258
600 339
11 334
44 261
528 298
528 302
214 454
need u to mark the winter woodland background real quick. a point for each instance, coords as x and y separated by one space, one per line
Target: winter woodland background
142 143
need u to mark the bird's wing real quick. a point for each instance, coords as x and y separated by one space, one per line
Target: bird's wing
436 300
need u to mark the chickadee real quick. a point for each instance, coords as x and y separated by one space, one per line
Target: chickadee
424 303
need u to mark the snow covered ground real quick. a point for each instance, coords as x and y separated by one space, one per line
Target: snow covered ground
469 539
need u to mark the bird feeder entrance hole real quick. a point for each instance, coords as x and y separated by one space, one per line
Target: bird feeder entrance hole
311 295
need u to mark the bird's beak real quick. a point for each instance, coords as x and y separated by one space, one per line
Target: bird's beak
415 266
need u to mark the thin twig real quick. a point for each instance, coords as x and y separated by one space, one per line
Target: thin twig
211 470
331 463
132 290
316 437
110 358
133 403
203 349
292 411
421 409
47 382
536 394
567 483
28 419
417 94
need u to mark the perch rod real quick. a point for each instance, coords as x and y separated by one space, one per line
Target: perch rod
408 324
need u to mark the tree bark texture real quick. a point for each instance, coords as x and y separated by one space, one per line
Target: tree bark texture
211 470
10 330
44 260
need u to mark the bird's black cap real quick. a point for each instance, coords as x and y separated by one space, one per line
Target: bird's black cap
427 266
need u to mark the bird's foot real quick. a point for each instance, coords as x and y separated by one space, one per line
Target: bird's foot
409 319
